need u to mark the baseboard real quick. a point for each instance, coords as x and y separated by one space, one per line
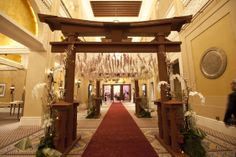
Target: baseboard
216 125
30 121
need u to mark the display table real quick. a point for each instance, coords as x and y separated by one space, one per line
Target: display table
18 104
65 126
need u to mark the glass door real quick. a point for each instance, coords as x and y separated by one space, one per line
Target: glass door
107 92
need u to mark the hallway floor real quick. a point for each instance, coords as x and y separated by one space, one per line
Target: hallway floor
216 143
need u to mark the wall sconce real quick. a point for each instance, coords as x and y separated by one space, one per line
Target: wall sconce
77 82
50 71
12 89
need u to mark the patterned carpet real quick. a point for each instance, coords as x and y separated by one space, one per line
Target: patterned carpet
7 138
215 146
216 143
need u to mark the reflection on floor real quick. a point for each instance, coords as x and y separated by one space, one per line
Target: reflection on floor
217 144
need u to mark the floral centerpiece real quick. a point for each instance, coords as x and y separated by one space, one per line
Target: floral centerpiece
45 93
193 136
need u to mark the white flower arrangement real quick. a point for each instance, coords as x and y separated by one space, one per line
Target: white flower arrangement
47 121
180 79
39 90
202 98
161 83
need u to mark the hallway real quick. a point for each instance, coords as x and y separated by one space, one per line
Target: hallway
217 144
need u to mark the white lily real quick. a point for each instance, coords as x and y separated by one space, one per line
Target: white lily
47 122
38 90
180 79
202 98
161 83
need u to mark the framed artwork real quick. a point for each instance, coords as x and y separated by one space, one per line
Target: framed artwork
2 89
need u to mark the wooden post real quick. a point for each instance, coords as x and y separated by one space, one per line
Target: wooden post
137 98
162 66
97 88
70 70
159 112
163 76
97 99
136 88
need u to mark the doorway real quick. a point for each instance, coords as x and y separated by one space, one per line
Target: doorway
117 92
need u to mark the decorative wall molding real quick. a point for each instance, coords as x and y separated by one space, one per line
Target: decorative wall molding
63 10
11 29
30 121
193 6
205 20
11 50
216 125
185 2
11 63
47 3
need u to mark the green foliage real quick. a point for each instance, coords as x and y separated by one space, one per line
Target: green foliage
24 144
91 112
45 142
144 111
193 143
144 114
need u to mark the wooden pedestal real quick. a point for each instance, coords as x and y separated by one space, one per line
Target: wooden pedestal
65 126
137 105
170 121
97 104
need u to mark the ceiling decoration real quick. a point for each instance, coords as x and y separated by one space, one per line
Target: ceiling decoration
116 8
116 65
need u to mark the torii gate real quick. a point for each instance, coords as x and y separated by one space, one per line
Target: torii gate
116 36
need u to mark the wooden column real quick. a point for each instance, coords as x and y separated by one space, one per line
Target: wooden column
162 66
136 88
70 70
97 99
163 76
137 98
121 93
98 88
159 111
112 95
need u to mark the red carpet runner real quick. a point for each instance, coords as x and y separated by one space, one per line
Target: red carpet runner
118 136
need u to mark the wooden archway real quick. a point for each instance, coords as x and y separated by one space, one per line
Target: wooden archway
116 36
116 40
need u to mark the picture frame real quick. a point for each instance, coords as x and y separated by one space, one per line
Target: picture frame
2 89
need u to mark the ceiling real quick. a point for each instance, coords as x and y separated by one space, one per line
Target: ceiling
116 8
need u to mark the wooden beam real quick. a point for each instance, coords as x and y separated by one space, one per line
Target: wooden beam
134 47
124 28
95 28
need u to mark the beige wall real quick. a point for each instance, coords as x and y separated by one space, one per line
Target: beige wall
35 74
214 27
16 78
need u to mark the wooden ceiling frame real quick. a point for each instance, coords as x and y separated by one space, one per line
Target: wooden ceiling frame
116 8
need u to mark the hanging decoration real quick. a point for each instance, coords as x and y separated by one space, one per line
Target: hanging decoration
116 65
